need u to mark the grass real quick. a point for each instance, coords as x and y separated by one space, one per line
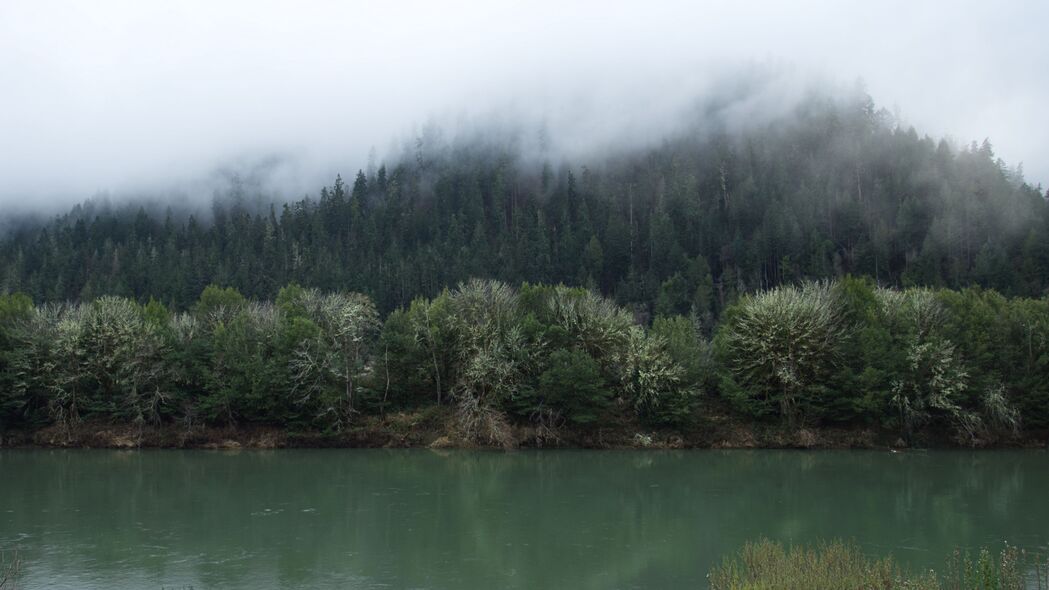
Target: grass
767 565
1011 569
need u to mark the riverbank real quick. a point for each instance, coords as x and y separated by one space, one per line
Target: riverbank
435 427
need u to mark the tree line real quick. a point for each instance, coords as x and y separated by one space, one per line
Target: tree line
970 364
835 188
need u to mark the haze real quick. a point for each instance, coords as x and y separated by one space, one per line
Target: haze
129 97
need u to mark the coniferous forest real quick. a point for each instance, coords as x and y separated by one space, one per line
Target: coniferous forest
826 268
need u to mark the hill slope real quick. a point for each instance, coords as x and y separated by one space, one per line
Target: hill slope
834 188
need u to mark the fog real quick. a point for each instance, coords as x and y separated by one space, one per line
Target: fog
150 97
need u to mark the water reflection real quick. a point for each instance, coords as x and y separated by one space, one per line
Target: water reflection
422 519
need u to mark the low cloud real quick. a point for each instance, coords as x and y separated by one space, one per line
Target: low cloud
131 97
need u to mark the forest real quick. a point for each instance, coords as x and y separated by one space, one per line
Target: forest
966 366
835 187
826 268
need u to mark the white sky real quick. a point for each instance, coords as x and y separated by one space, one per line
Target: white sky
120 96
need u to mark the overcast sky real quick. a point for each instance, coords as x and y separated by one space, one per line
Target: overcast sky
121 96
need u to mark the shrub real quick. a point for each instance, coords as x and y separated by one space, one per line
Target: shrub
652 381
779 347
573 385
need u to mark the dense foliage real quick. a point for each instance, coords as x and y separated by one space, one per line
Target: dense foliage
835 187
970 364
316 361
970 361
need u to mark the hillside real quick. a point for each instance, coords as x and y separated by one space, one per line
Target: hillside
834 187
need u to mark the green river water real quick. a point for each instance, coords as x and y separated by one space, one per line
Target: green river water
465 520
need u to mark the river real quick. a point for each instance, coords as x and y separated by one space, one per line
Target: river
465 520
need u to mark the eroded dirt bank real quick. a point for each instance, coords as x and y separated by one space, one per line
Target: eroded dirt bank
436 428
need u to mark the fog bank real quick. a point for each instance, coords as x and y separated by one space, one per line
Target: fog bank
127 97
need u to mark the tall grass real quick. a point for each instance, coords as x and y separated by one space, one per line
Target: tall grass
767 565
1012 569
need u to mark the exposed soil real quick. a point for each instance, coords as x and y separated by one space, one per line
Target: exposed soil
435 428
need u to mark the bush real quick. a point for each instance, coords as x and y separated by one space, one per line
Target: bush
652 382
573 385
778 348
686 348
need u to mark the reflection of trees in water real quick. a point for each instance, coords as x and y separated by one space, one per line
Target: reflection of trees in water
485 519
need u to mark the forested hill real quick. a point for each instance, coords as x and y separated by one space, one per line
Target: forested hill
834 188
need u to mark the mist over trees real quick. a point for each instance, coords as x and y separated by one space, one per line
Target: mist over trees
826 267
835 187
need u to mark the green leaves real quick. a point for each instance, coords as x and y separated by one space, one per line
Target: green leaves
911 359
933 383
326 365
972 363
779 345
574 385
